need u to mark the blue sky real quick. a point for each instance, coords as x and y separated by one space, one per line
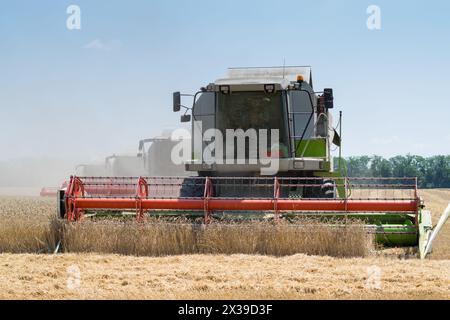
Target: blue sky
98 90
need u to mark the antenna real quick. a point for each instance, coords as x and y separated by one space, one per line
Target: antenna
284 66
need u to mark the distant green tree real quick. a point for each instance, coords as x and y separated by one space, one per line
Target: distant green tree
408 166
358 166
431 172
380 167
438 172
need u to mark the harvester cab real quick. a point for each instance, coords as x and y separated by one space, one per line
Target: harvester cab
249 100
155 153
259 114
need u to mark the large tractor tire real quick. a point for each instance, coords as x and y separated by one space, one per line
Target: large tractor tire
61 205
326 189
192 187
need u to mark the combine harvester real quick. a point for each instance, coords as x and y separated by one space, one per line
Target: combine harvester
305 183
143 164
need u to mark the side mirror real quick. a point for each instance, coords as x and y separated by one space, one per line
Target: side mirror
176 101
186 118
328 97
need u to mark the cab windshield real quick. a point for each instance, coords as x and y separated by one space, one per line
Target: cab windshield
252 110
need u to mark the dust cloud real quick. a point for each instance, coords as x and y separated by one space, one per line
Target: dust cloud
27 175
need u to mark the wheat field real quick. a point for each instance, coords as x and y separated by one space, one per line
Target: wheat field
436 200
28 225
93 276
214 273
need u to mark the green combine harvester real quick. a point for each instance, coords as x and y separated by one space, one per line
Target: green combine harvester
261 145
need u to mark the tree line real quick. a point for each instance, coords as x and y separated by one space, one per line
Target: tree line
432 172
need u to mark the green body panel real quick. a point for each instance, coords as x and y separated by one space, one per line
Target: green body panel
397 236
376 219
315 148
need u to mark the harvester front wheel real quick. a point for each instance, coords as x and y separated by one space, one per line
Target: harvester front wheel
61 204
325 188
328 189
192 187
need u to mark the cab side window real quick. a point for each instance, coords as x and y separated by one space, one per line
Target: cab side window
302 109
